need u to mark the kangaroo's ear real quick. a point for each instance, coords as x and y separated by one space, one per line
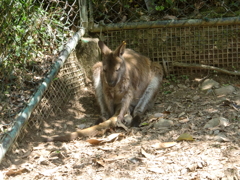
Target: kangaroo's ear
105 50
120 50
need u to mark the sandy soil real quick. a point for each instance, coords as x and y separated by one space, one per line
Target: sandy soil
208 146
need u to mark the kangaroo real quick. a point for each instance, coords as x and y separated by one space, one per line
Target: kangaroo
125 82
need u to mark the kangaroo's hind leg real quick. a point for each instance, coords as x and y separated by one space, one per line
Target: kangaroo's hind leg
149 95
99 94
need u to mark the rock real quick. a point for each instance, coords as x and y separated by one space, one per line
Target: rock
145 18
171 86
223 91
231 115
209 84
158 115
200 113
182 86
217 122
87 53
163 123
196 97
222 138
81 126
223 121
181 114
216 132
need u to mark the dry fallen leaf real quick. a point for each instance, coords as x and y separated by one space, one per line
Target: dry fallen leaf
99 162
163 145
181 114
237 85
26 154
184 120
14 172
144 153
186 137
116 157
113 137
95 141
110 138
106 148
156 170
135 160
169 17
49 172
222 138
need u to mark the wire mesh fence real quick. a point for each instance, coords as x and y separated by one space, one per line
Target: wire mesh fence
202 32
215 45
105 12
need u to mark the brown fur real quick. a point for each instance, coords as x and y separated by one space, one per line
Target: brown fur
125 81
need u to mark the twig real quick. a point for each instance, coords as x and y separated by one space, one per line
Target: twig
165 67
202 66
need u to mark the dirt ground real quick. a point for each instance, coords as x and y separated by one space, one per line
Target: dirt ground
190 134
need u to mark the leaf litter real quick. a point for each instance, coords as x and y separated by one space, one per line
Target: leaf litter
189 134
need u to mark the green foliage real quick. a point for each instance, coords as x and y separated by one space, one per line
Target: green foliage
172 78
106 11
170 2
159 8
166 84
185 77
167 92
27 31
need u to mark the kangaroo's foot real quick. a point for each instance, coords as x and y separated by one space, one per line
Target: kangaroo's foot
136 121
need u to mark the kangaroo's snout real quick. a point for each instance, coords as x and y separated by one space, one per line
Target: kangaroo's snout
111 83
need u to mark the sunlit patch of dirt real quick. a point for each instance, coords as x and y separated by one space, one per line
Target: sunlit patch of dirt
151 151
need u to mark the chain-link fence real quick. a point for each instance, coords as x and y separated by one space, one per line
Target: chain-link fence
64 86
32 34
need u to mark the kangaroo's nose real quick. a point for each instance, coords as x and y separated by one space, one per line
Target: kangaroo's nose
111 83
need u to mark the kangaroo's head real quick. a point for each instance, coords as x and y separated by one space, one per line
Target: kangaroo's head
113 63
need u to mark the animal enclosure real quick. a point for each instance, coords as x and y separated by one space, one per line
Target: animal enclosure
209 45
177 34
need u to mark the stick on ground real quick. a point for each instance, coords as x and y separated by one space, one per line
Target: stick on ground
202 66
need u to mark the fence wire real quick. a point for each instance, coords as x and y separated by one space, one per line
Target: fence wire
117 11
211 37
217 46
32 33
65 86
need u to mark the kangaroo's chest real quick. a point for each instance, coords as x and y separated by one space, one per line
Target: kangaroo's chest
117 94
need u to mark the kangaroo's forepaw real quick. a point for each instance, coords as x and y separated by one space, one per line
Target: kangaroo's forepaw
120 123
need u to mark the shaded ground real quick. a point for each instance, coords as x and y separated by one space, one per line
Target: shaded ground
182 107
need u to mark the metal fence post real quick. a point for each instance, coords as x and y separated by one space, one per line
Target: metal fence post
83 13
